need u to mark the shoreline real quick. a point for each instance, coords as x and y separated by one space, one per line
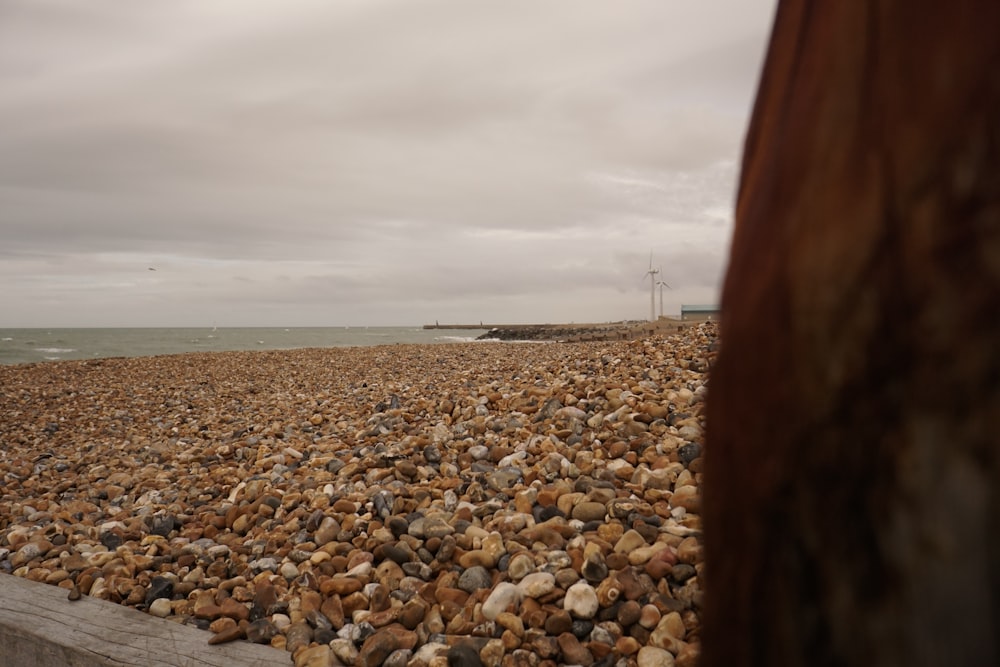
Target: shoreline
516 500
43 345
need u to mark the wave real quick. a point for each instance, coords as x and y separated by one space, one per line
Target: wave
55 350
456 339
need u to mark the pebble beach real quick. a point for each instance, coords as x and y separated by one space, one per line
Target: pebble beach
486 503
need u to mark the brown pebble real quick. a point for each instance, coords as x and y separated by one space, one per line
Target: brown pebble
297 635
265 597
628 613
353 603
627 645
412 613
231 633
377 648
558 622
649 616
382 618
689 655
657 568
261 631
341 585
208 611
345 506
310 600
453 595
690 551
574 653
616 561
221 624
334 611
535 618
632 587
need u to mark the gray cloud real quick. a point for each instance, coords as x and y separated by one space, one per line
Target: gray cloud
376 162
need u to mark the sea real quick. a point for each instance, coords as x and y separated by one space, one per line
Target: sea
25 346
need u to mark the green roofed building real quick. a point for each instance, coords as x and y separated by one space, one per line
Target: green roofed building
699 312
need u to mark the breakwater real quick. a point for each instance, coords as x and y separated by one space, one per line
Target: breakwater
607 331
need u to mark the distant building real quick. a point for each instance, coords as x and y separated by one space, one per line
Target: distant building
699 312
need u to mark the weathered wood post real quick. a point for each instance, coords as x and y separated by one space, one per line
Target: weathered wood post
852 495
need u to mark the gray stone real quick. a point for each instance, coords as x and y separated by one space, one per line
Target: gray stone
505 478
475 578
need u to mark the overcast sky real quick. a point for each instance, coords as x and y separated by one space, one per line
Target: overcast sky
367 162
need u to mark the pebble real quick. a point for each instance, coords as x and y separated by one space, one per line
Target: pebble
629 542
558 622
574 653
589 511
160 607
398 658
377 648
344 650
504 595
263 630
227 634
463 656
581 600
628 613
650 656
355 509
315 656
537 584
649 616
475 578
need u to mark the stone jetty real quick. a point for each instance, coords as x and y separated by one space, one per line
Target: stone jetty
410 506
572 332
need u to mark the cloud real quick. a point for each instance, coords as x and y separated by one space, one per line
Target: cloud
515 159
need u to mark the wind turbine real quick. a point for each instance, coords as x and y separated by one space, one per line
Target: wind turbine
652 288
661 284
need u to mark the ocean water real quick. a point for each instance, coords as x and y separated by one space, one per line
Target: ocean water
21 346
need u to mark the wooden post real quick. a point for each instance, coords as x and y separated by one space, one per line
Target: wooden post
850 504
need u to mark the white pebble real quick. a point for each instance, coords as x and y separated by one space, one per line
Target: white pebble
500 599
160 607
581 600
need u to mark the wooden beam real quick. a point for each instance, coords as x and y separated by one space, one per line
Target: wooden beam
40 627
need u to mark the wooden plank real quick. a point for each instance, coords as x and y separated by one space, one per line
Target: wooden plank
40 627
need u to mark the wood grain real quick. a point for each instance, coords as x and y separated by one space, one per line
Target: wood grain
852 469
40 627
